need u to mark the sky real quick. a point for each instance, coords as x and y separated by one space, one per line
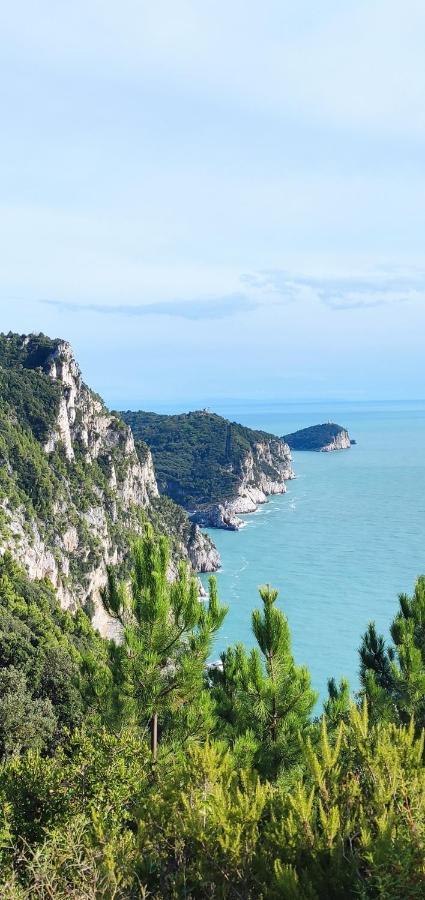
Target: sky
217 198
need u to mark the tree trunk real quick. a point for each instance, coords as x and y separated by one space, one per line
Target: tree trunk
154 736
274 708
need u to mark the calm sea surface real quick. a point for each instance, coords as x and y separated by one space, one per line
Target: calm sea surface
345 539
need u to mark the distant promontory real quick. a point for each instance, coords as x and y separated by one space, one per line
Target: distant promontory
217 469
322 438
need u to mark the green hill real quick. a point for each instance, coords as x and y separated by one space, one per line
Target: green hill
328 436
201 458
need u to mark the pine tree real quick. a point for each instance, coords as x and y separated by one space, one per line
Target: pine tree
281 692
393 678
167 634
264 694
337 707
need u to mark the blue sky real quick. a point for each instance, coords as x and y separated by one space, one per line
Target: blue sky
218 199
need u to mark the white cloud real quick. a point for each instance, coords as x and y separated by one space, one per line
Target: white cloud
362 291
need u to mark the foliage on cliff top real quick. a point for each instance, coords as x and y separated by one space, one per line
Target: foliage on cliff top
29 398
198 456
29 351
314 437
29 405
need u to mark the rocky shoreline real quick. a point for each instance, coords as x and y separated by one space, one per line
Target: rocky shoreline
257 484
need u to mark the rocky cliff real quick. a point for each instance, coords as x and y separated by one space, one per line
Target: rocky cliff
74 488
264 470
323 438
215 468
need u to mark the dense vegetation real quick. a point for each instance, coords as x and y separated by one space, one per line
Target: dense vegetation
29 404
313 438
25 351
43 653
198 456
132 770
30 398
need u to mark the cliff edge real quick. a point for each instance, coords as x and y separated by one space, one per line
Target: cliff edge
74 488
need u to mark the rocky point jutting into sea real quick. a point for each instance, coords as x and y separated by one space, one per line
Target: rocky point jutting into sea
215 468
323 438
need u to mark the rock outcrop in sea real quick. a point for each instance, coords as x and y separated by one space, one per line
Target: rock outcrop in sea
324 438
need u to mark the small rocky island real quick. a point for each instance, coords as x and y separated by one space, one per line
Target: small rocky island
321 438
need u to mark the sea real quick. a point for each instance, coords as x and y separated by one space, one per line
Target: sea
342 543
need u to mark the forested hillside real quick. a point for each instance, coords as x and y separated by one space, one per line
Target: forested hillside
205 462
132 770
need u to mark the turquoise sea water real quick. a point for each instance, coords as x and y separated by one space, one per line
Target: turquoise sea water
345 539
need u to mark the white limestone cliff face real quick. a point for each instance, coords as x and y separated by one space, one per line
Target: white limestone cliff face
265 469
201 552
24 540
85 423
75 548
341 441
